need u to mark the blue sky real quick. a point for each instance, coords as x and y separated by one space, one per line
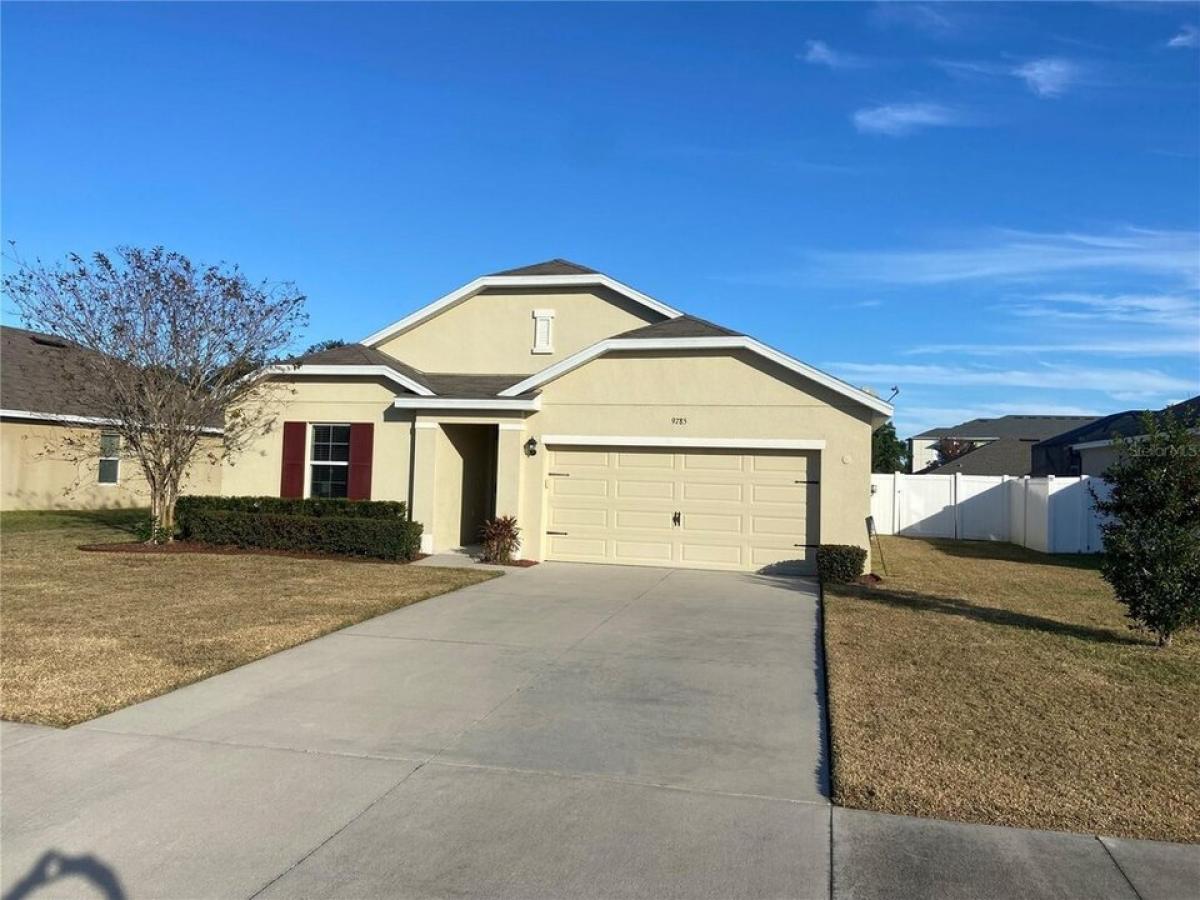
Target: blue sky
994 207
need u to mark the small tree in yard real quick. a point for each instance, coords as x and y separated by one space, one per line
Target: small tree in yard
174 344
1152 536
888 453
949 449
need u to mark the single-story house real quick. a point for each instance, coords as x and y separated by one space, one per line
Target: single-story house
615 428
1089 450
55 451
995 446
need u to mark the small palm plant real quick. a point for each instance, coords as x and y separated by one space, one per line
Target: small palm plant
501 537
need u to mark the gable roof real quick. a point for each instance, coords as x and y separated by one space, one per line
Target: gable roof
680 326
1025 427
1126 424
1007 456
722 342
355 359
585 278
556 266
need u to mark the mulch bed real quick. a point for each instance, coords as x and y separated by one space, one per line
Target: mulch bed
520 563
183 547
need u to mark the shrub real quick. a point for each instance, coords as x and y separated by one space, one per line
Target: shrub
840 563
147 530
501 537
1152 536
378 538
186 507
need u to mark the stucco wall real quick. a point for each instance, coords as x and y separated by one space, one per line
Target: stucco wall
256 470
720 395
492 332
49 466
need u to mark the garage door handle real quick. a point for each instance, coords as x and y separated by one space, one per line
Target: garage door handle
560 533
798 481
675 519
560 474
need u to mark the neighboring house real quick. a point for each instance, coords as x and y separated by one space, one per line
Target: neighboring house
999 446
614 427
1088 450
55 452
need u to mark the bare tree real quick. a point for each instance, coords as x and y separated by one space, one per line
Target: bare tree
175 347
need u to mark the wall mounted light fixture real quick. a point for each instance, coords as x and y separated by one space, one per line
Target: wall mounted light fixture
531 446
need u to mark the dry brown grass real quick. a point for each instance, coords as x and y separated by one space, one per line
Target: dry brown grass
83 634
988 683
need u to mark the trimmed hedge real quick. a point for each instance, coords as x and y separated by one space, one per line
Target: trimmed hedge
840 563
185 507
377 538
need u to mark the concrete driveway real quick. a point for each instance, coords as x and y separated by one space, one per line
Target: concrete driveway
560 731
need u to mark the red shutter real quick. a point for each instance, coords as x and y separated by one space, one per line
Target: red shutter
291 479
362 449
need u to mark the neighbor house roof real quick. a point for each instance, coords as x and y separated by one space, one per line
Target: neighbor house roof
1126 424
1025 427
42 377
1007 456
42 374
681 326
555 266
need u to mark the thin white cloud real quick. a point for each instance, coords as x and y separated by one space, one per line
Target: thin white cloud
899 119
1151 346
1057 377
819 53
932 19
1173 311
1189 36
1050 76
1024 255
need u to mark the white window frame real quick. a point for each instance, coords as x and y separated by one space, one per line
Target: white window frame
116 459
309 462
540 316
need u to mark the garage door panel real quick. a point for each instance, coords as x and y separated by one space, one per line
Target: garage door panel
578 548
737 510
710 522
711 554
656 520
781 493
634 550
579 487
794 465
709 462
700 491
645 461
595 459
652 490
566 516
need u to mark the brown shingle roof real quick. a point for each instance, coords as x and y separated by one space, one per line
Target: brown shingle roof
361 355
550 267
681 326
42 374
468 385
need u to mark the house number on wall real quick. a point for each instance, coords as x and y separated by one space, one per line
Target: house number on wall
678 420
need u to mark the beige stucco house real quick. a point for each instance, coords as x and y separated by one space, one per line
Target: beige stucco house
55 451
614 427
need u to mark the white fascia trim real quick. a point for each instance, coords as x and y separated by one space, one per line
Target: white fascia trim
528 404
1091 445
63 419
615 440
381 371
503 281
698 343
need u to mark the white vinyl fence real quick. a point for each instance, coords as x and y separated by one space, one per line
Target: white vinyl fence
1053 515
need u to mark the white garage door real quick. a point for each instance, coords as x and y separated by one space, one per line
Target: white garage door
704 509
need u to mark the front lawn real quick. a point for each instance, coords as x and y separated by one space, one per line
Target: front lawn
988 683
86 633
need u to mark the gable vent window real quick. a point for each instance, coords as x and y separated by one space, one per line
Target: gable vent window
110 458
543 331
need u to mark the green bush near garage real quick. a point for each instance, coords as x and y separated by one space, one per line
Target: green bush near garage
840 563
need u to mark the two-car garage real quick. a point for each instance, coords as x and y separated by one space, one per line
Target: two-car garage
732 507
